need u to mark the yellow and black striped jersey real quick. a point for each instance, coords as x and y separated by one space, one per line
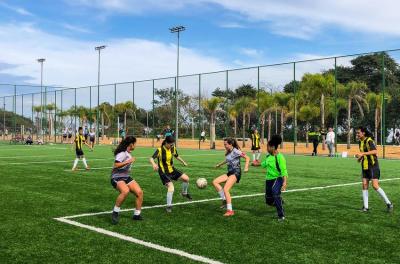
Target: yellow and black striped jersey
255 140
165 158
79 141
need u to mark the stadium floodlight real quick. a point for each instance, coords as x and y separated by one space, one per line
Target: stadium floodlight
177 29
41 61
98 48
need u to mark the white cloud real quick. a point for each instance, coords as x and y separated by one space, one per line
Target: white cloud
231 25
16 9
251 52
300 19
75 28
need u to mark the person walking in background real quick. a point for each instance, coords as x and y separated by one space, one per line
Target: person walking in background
314 136
330 141
203 135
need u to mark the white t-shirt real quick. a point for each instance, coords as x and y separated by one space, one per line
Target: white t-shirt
203 134
122 171
330 137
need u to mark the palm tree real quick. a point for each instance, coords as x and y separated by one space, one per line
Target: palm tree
50 108
212 105
355 92
307 113
375 101
282 101
37 109
266 106
233 114
319 86
244 105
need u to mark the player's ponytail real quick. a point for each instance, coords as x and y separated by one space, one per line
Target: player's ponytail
365 131
124 144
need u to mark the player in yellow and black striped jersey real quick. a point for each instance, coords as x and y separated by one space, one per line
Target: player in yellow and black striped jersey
369 167
165 166
79 142
255 145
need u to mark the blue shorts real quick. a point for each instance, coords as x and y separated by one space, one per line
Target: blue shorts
127 180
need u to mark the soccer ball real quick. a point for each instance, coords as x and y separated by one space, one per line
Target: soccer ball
201 183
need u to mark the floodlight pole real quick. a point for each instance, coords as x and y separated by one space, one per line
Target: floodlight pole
41 61
98 48
177 29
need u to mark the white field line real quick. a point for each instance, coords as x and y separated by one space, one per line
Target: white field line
67 161
234 197
103 168
141 242
34 156
66 219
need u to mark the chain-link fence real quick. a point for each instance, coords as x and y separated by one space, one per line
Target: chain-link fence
302 101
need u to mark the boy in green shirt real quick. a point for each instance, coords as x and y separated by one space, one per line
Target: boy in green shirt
276 178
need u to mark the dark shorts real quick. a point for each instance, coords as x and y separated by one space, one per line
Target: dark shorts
372 173
168 177
237 173
69 136
91 139
79 153
64 136
127 180
255 148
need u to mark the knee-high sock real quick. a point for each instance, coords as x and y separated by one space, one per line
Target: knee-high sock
258 156
365 198
84 162
169 198
185 187
383 195
75 163
222 194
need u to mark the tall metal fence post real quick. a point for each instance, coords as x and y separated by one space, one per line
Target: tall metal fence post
154 131
15 109
295 109
200 116
336 107
383 112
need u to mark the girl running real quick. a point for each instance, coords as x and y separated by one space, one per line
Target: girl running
92 138
276 179
232 159
165 167
369 167
121 180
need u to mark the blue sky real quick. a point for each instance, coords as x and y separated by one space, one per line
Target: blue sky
220 35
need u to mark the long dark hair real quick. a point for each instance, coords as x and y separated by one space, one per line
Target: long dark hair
365 131
232 142
168 140
275 141
124 144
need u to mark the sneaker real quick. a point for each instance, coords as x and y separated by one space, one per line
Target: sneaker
168 209
74 169
389 208
137 217
229 213
223 206
115 218
364 210
187 195
87 168
281 219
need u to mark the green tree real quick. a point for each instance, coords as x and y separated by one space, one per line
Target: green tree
211 106
244 105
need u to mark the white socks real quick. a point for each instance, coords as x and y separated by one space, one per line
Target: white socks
116 209
84 162
137 212
258 156
185 186
222 194
254 156
365 198
229 207
383 195
75 163
169 198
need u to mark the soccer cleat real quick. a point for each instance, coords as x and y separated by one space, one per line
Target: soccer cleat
187 195
87 168
115 218
223 206
389 208
229 213
364 210
168 209
137 217
281 219
74 169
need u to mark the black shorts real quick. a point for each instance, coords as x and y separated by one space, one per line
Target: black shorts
372 173
237 173
168 177
79 153
64 136
69 136
91 139
127 180
255 148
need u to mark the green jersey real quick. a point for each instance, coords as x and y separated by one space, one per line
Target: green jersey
275 165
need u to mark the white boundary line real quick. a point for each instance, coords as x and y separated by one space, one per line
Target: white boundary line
140 242
233 197
103 168
66 219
